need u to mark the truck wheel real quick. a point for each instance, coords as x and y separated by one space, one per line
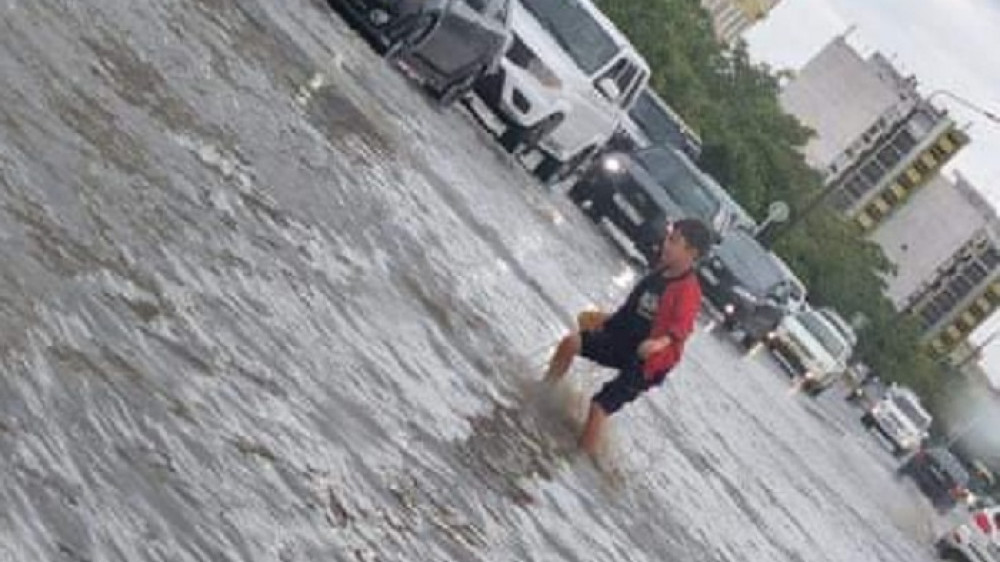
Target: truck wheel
729 323
517 137
407 34
551 170
460 87
867 420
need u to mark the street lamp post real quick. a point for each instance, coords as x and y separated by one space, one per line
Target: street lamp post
965 103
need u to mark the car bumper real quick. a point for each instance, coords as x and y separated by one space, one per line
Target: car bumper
515 95
518 98
788 359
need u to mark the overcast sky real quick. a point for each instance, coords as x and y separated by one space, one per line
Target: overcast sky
947 44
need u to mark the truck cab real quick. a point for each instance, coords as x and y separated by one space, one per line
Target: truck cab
900 418
815 344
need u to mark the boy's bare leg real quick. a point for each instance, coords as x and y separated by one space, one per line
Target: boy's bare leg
561 360
591 435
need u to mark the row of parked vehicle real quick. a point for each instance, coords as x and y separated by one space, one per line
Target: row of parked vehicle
564 82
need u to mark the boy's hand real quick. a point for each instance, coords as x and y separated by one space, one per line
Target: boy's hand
590 320
651 346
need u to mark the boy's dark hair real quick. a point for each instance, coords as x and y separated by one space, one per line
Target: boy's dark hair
697 235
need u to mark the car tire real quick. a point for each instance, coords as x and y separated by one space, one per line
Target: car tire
516 137
953 555
750 341
550 170
460 87
729 323
586 198
405 35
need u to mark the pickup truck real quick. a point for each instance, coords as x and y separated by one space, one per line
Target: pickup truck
815 344
900 418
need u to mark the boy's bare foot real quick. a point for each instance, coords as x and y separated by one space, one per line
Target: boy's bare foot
590 439
561 360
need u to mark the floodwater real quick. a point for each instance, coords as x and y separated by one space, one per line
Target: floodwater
260 299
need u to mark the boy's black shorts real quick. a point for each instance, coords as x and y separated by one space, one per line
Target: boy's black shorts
603 348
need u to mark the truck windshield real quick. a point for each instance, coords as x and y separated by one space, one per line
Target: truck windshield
656 122
681 182
911 411
576 31
825 334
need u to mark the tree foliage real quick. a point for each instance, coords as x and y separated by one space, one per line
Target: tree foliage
754 148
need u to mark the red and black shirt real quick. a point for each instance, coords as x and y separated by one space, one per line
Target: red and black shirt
658 306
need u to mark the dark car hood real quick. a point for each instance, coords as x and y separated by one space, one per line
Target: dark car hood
749 263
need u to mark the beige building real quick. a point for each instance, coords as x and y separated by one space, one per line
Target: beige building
945 244
880 147
730 18
877 141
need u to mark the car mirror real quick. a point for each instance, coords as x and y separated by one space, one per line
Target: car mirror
609 88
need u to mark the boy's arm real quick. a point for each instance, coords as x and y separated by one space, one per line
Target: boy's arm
672 324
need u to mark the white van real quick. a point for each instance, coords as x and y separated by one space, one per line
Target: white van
564 84
900 418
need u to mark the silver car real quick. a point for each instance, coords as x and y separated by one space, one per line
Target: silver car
446 44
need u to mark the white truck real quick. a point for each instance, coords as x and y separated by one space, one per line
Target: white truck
814 344
564 83
900 418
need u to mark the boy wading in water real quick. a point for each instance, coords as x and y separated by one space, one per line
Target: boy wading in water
645 337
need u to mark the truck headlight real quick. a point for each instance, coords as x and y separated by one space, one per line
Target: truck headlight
612 165
771 336
729 309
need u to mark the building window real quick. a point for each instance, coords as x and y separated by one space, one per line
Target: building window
975 273
904 142
961 286
891 196
872 172
991 258
888 157
865 220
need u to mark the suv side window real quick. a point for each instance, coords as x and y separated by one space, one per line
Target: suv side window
625 75
633 89
478 5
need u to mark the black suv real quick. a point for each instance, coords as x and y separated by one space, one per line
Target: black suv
751 287
641 192
939 475
650 121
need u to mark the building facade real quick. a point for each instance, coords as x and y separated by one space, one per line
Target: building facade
880 147
730 18
849 102
945 244
877 140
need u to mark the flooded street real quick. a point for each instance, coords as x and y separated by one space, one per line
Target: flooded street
262 300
